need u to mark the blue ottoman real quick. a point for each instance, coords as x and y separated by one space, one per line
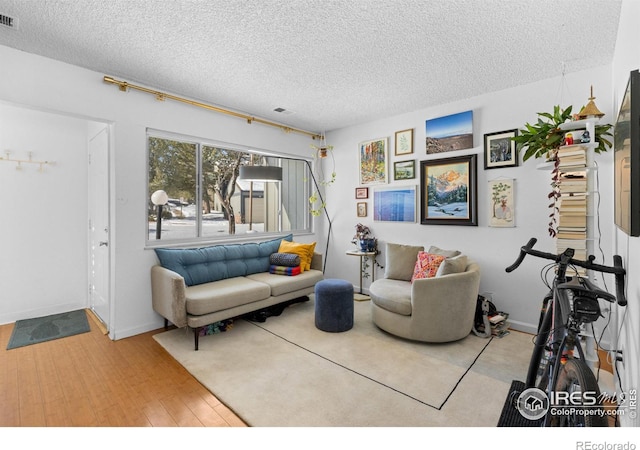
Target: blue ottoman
334 305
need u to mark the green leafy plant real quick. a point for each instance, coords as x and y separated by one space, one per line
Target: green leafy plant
316 209
543 138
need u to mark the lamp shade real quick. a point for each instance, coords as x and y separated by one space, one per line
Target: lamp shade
260 173
159 197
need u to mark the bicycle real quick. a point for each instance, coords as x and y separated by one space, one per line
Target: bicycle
572 393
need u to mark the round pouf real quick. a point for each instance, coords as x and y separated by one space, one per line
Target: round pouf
334 305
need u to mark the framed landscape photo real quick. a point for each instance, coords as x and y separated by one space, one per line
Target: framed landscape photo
448 191
394 204
373 161
449 133
500 149
404 142
362 192
361 208
404 170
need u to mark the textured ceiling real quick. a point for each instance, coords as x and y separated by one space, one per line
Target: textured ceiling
330 63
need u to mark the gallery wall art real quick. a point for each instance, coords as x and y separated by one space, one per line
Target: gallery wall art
449 133
448 191
502 204
394 204
373 161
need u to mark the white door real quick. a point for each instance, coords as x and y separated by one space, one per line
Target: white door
99 252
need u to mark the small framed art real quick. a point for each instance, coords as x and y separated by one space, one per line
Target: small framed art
362 192
500 149
404 170
404 142
362 209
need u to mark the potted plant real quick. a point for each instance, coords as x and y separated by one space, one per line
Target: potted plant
543 139
364 238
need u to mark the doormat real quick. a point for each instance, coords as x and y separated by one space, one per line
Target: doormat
42 329
510 416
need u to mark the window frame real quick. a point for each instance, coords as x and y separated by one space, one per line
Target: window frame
199 239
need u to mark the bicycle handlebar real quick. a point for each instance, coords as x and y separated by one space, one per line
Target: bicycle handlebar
616 269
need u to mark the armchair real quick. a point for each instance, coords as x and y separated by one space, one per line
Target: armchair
436 309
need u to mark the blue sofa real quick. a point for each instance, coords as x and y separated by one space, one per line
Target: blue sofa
196 287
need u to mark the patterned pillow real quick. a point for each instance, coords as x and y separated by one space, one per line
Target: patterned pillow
305 251
284 259
426 265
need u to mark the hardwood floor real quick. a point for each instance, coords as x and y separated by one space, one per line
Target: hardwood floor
88 380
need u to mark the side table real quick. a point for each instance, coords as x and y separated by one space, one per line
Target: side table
360 296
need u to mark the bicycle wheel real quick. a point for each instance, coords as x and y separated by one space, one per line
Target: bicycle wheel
575 383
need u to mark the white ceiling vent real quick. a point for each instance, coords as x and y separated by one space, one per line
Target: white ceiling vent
8 21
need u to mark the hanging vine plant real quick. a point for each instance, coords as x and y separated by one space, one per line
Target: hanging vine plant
315 197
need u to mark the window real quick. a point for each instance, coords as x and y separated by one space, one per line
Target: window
208 200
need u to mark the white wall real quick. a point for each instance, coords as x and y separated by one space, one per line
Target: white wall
627 58
43 231
50 85
520 292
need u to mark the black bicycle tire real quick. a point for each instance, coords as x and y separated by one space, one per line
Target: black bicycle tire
576 370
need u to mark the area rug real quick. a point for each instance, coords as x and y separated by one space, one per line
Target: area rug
285 372
41 329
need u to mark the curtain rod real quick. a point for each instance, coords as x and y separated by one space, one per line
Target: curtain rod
161 96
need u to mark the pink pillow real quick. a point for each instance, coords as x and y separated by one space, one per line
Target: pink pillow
426 265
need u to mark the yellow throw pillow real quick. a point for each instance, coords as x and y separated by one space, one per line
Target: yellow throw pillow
305 251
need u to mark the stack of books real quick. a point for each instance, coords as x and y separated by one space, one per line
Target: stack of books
572 210
572 157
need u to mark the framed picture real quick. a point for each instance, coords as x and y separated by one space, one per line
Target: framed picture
362 209
394 204
404 142
501 197
362 192
626 159
404 170
449 133
373 161
500 149
448 191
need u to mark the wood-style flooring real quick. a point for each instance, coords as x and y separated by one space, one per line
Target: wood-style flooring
88 380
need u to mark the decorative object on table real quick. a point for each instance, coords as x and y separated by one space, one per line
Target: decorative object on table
448 191
362 209
404 142
362 192
449 133
627 159
373 162
364 238
500 149
404 170
394 204
501 199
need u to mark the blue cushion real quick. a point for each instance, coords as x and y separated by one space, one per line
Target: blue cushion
203 265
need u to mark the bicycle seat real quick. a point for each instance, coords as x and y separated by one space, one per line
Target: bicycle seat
586 287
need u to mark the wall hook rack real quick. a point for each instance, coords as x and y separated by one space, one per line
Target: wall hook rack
30 160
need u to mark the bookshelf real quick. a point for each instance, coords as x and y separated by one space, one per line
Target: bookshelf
576 187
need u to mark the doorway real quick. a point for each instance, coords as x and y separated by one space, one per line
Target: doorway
99 232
